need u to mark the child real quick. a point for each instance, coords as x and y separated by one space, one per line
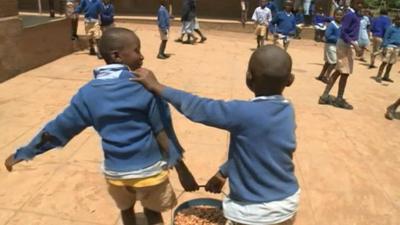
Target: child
299 22
244 5
263 186
378 28
285 23
331 37
348 37
262 17
163 27
107 15
391 45
92 10
69 12
363 40
198 31
135 128
271 6
319 22
52 9
391 110
188 21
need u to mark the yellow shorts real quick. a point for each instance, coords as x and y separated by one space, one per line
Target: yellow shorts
158 197
391 55
376 44
261 30
93 30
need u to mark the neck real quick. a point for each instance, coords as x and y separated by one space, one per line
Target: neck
267 93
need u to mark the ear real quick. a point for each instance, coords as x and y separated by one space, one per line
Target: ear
290 80
249 80
115 56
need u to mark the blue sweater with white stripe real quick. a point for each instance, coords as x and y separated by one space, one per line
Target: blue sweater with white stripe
125 115
91 8
262 142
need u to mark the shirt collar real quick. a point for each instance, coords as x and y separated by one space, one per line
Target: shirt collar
278 98
111 71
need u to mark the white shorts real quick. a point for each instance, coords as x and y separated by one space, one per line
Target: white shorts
188 27
164 35
330 54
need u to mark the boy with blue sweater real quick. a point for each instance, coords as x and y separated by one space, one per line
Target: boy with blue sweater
391 49
285 23
263 186
135 127
331 37
107 15
163 27
92 10
379 26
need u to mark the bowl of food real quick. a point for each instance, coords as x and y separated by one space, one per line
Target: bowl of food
200 211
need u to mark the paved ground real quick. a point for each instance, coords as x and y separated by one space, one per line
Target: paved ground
347 162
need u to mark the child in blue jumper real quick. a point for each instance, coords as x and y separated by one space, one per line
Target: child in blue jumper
285 23
379 25
263 187
107 15
320 21
391 45
92 10
135 128
163 27
330 56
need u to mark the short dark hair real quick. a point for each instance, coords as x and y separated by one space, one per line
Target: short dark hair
114 39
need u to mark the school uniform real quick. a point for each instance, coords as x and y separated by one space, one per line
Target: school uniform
127 118
262 17
259 166
379 26
391 43
285 25
92 10
188 16
331 37
349 32
107 17
163 22
320 21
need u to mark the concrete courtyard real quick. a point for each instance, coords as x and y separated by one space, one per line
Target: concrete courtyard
347 162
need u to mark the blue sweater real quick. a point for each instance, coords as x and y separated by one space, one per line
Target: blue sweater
379 26
125 115
299 18
285 22
91 8
272 7
163 18
262 142
392 37
332 33
319 18
107 15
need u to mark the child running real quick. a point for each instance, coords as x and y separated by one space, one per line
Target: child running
262 17
285 23
92 10
331 37
348 38
391 45
263 186
391 110
107 15
134 126
163 27
378 28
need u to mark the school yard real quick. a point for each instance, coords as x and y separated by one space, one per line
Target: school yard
347 162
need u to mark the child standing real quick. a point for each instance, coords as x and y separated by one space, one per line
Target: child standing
69 12
163 27
107 15
319 22
260 169
299 22
348 37
363 40
378 28
391 45
271 6
285 23
331 37
92 10
244 5
135 128
262 17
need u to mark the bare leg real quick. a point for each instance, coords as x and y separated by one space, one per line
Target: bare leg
380 72
259 41
387 73
153 217
342 85
285 45
391 110
128 216
329 71
323 72
331 82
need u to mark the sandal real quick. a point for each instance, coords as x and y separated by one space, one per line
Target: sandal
326 100
343 104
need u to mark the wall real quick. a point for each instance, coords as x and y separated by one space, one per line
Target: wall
8 8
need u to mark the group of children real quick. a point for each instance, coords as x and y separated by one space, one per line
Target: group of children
282 24
140 145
